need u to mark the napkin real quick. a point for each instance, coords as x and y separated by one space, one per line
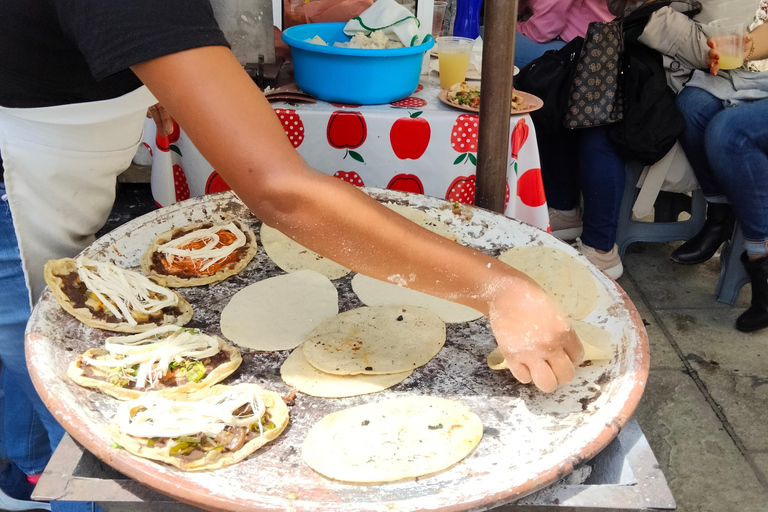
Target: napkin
397 23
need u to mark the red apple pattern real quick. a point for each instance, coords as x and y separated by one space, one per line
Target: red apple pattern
216 183
464 138
410 102
410 136
292 124
530 188
350 177
165 142
180 183
406 183
462 190
519 136
347 130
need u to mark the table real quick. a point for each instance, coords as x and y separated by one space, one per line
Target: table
530 440
414 145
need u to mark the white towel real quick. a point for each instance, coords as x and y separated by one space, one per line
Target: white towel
397 23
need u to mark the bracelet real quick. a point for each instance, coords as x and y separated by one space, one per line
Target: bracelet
751 51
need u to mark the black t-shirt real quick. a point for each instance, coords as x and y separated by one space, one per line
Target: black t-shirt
55 52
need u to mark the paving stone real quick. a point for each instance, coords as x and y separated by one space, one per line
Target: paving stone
662 353
668 285
703 467
761 461
708 337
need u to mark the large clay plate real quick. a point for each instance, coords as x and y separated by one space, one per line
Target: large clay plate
533 103
531 439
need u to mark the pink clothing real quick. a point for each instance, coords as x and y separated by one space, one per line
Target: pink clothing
561 19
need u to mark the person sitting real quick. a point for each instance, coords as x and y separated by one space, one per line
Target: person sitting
726 141
549 24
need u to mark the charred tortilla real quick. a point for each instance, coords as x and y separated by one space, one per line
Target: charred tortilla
78 300
185 373
181 271
195 451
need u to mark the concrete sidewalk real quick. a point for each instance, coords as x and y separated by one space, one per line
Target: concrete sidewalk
705 408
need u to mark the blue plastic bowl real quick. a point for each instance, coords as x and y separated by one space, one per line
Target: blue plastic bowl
352 75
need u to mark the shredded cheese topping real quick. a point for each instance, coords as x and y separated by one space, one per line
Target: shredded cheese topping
209 254
122 291
153 416
154 351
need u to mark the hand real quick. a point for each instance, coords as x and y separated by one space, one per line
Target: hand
713 57
162 118
535 337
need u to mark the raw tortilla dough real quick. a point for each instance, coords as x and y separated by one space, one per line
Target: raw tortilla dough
278 313
299 374
596 343
371 340
392 440
563 277
292 257
424 220
373 292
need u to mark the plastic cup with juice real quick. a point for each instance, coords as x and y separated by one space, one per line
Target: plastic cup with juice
453 54
727 36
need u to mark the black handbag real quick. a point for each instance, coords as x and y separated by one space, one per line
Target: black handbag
595 97
549 77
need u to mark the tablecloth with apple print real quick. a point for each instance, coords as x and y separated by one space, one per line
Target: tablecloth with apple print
417 145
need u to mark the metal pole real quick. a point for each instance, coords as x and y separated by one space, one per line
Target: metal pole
495 103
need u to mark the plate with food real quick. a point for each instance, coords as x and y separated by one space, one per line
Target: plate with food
467 97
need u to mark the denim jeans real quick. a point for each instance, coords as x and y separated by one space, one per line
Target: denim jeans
527 50
583 163
728 150
30 431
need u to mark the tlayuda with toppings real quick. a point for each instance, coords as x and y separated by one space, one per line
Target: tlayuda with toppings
102 295
210 429
168 359
199 254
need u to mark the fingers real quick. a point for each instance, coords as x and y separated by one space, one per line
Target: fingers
562 367
543 376
520 372
162 118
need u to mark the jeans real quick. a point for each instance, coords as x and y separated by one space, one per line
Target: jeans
728 150
583 163
30 431
527 50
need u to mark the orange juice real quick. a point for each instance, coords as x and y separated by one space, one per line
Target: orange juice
730 61
453 68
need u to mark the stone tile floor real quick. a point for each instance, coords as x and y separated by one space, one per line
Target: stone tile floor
705 409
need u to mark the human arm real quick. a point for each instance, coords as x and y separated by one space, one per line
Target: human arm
233 126
674 34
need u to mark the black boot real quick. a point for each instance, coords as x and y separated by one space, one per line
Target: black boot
756 317
717 229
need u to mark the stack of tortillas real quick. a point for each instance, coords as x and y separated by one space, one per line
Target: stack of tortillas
570 283
364 350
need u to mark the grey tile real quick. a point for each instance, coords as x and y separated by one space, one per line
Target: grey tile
703 467
708 337
668 285
662 353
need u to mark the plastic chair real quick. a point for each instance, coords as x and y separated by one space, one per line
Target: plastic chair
629 230
733 276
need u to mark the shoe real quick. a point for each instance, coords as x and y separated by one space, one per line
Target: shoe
14 483
756 317
609 263
717 229
563 225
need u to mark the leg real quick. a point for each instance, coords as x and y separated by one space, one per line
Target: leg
699 108
738 152
31 432
602 184
527 50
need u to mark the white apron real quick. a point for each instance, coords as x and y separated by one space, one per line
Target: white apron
61 166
